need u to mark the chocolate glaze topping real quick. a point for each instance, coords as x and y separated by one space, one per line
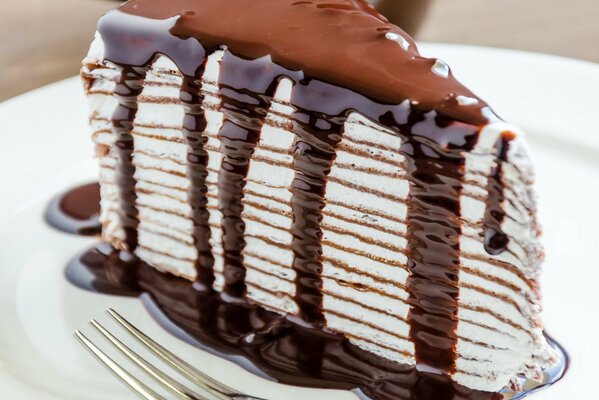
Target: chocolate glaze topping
342 42
341 56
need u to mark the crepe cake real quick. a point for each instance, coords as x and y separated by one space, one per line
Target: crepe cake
302 155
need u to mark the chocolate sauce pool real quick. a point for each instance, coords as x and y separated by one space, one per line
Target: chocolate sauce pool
76 211
264 343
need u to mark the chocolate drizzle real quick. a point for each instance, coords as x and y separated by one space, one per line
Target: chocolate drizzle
244 112
333 53
496 241
194 126
314 153
128 87
434 231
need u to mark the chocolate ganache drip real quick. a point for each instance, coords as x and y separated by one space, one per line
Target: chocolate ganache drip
194 126
341 57
128 87
496 241
314 150
245 109
434 240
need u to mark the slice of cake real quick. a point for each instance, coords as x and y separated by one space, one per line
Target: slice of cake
303 156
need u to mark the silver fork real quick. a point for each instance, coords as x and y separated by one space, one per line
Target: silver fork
209 388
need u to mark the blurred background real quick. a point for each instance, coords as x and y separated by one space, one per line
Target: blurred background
42 41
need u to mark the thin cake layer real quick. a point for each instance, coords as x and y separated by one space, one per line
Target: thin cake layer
304 156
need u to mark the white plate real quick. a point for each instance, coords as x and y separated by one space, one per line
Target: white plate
45 147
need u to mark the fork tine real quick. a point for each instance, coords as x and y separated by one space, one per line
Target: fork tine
206 382
166 381
138 387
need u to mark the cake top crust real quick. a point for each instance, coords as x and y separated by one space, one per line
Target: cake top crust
346 43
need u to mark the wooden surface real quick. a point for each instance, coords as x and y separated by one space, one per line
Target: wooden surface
42 41
568 28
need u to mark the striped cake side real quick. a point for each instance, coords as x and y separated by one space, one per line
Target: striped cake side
363 225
